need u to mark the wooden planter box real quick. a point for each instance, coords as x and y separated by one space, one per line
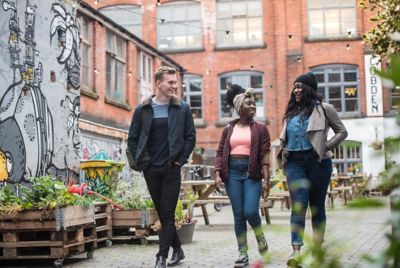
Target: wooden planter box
54 234
103 218
57 219
134 218
132 224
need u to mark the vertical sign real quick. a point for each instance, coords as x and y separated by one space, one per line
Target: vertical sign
373 86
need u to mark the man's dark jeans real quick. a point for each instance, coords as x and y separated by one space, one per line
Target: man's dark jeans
164 184
308 181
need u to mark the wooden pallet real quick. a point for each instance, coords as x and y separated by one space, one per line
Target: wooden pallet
54 234
103 218
133 224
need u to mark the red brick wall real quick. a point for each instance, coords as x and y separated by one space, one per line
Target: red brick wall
277 61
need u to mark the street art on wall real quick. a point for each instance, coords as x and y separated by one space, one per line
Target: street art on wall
39 93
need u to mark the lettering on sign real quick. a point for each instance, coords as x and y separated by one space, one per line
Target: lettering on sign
373 86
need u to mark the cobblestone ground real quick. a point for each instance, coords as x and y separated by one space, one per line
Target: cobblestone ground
350 234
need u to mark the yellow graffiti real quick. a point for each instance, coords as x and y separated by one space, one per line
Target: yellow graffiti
350 91
3 167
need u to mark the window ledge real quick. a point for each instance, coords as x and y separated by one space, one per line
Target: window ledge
118 103
184 50
351 115
85 91
311 39
199 123
391 113
223 48
222 122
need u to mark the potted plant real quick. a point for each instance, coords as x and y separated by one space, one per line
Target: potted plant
138 212
184 221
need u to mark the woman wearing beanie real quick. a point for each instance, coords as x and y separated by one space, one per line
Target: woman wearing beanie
242 163
305 156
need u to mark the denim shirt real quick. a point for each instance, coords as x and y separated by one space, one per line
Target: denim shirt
296 134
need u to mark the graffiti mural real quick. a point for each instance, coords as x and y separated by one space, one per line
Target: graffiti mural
35 130
67 29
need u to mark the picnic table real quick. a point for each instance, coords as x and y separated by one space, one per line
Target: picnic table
205 189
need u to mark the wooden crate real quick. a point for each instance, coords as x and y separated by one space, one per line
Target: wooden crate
141 218
54 234
103 218
60 218
133 224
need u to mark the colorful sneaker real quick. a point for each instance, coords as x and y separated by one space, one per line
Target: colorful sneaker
262 245
242 261
294 260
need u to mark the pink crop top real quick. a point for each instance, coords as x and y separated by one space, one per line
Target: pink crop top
241 140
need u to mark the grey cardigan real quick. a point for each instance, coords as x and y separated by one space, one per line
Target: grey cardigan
321 119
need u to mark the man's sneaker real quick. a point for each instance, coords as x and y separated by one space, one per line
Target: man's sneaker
262 244
294 260
242 261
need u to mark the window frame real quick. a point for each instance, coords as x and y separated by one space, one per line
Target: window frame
395 95
324 69
186 24
87 41
346 161
230 32
116 59
145 66
187 94
324 9
128 23
222 92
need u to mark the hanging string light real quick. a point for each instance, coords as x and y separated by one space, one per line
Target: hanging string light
298 59
290 36
349 33
348 46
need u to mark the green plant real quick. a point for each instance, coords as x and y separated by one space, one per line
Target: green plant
129 197
382 38
10 203
47 193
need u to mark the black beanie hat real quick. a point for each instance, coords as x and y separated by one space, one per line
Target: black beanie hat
308 79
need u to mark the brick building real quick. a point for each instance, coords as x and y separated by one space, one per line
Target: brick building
116 73
265 45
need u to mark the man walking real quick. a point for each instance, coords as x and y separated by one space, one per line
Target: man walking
161 138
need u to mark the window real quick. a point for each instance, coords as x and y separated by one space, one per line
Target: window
128 16
347 157
86 53
396 98
331 18
338 84
115 66
246 80
239 23
145 67
192 94
179 25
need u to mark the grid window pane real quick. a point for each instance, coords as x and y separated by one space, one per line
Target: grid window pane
179 25
243 19
395 98
86 72
334 77
331 18
245 80
115 66
334 93
351 105
128 16
338 85
347 157
192 92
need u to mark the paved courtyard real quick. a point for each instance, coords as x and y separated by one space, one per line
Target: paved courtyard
350 234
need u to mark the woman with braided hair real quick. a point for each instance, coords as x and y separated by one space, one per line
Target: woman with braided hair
242 164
